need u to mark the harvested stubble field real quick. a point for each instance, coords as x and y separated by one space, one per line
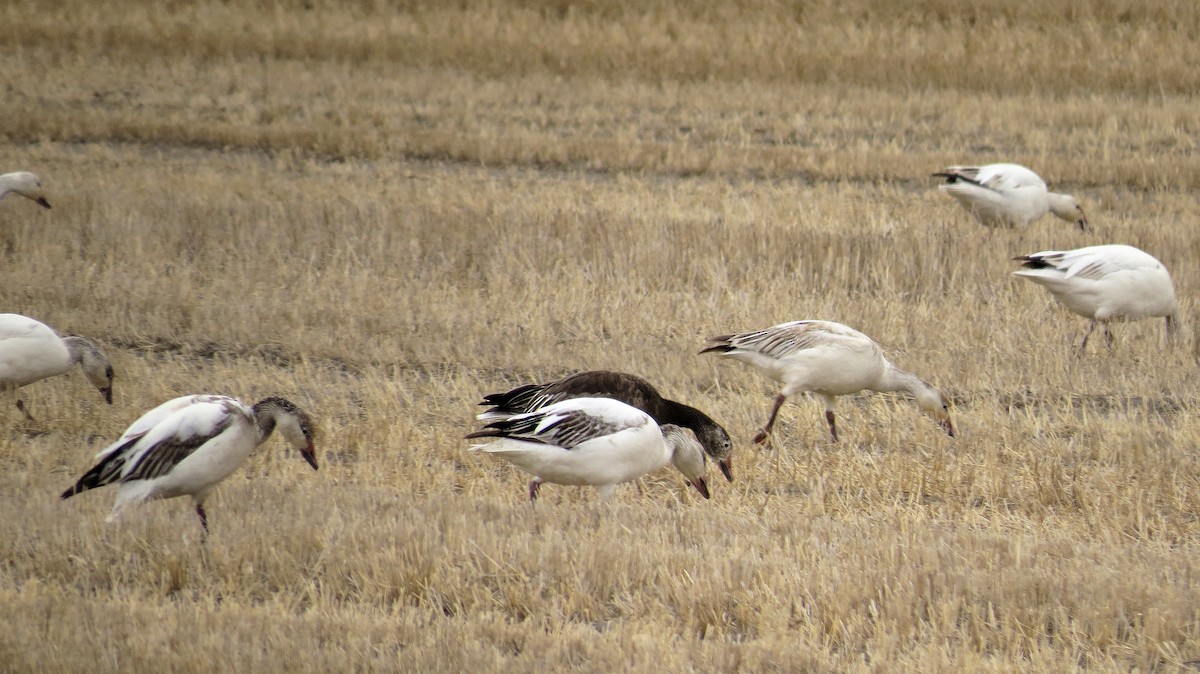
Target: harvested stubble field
384 212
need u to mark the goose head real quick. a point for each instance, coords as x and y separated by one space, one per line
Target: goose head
932 402
719 446
94 363
1066 207
27 185
293 423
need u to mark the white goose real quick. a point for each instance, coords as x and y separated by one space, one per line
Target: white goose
1007 195
829 359
592 441
25 184
30 351
186 446
1103 283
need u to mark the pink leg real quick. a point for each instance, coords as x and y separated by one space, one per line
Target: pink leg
762 435
534 487
832 424
24 410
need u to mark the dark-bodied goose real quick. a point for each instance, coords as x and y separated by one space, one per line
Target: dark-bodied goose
629 389
599 442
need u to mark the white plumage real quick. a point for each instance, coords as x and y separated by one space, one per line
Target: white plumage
24 184
1007 195
30 351
1104 283
826 358
592 441
188 445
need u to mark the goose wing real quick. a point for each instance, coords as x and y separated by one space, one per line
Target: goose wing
628 388
995 177
1093 262
149 420
170 435
567 424
787 339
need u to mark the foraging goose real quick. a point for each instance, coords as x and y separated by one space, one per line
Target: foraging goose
592 441
186 446
25 184
828 359
629 389
1007 195
1103 283
30 351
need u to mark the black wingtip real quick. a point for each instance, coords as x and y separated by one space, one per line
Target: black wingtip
1029 262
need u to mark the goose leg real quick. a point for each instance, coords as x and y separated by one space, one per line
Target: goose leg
1108 336
24 410
832 424
203 518
766 430
534 487
1083 344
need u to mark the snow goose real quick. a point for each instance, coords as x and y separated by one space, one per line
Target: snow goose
826 358
629 389
1103 283
30 351
592 441
186 446
1007 195
25 184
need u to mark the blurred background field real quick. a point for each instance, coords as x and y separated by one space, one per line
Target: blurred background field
385 211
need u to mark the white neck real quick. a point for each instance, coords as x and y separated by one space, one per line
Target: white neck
895 379
7 183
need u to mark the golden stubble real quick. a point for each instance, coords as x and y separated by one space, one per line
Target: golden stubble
371 213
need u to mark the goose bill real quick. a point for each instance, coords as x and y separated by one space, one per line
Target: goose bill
310 455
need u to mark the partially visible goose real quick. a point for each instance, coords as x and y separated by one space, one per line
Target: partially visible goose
25 184
1103 283
30 351
592 441
629 389
1007 195
186 446
828 359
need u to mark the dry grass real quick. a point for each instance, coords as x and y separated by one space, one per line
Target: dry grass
383 213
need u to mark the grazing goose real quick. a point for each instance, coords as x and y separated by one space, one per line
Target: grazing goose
828 359
629 389
24 184
592 441
30 351
1007 195
186 446
1103 283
